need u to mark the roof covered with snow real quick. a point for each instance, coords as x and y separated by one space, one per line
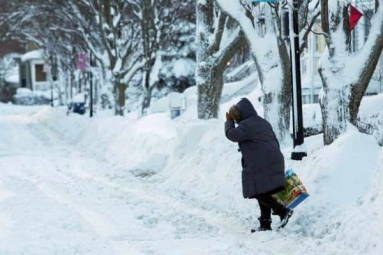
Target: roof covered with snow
35 54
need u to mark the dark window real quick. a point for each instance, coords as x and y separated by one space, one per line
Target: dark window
40 74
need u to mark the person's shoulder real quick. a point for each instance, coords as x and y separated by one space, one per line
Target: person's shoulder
249 122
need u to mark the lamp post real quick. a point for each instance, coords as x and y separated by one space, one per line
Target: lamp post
91 62
50 63
290 31
299 150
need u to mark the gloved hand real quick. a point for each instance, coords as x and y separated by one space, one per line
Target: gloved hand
228 117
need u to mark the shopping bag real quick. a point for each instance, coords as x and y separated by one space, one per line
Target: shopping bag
295 192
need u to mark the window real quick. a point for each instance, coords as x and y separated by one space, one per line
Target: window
316 98
367 26
319 42
40 75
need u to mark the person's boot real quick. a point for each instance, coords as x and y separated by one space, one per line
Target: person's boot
285 216
265 225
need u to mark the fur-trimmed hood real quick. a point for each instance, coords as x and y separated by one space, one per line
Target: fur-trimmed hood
245 109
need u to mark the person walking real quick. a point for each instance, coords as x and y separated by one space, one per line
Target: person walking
263 165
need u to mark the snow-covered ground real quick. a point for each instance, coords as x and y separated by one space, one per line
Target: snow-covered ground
111 185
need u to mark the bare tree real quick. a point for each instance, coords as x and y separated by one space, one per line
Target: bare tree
155 19
108 28
214 50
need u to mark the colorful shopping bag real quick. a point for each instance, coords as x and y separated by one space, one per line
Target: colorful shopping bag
294 194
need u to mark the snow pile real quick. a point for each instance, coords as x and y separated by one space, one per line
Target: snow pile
342 180
312 119
182 178
10 110
121 144
23 91
188 99
371 116
184 67
25 96
79 98
192 161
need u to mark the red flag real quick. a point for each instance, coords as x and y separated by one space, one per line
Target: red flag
355 15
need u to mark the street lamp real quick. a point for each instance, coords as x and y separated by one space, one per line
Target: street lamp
50 67
299 150
290 30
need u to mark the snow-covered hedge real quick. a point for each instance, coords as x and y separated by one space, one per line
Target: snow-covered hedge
25 96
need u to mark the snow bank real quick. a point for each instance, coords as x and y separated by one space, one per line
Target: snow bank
10 109
79 98
118 140
192 161
189 97
184 67
371 116
371 105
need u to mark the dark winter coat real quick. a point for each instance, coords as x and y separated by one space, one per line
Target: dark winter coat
262 161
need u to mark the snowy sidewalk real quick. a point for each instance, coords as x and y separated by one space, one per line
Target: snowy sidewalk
52 201
58 198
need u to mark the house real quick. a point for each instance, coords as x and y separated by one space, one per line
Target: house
311 81
34 73
34 79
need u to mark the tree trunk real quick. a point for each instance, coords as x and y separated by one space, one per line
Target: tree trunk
335 111
357 94
287 86
276 104
119 93
207 106
72 85
360 87
147 87
209 90
146 102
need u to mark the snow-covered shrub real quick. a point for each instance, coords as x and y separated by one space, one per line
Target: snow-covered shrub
370 119
25 96
177 75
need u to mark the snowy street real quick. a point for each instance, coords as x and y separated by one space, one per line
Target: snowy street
207 127
57 198
52 201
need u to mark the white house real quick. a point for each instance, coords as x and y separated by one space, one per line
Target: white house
33 71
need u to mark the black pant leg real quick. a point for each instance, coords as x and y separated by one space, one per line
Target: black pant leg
265 211
271 203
